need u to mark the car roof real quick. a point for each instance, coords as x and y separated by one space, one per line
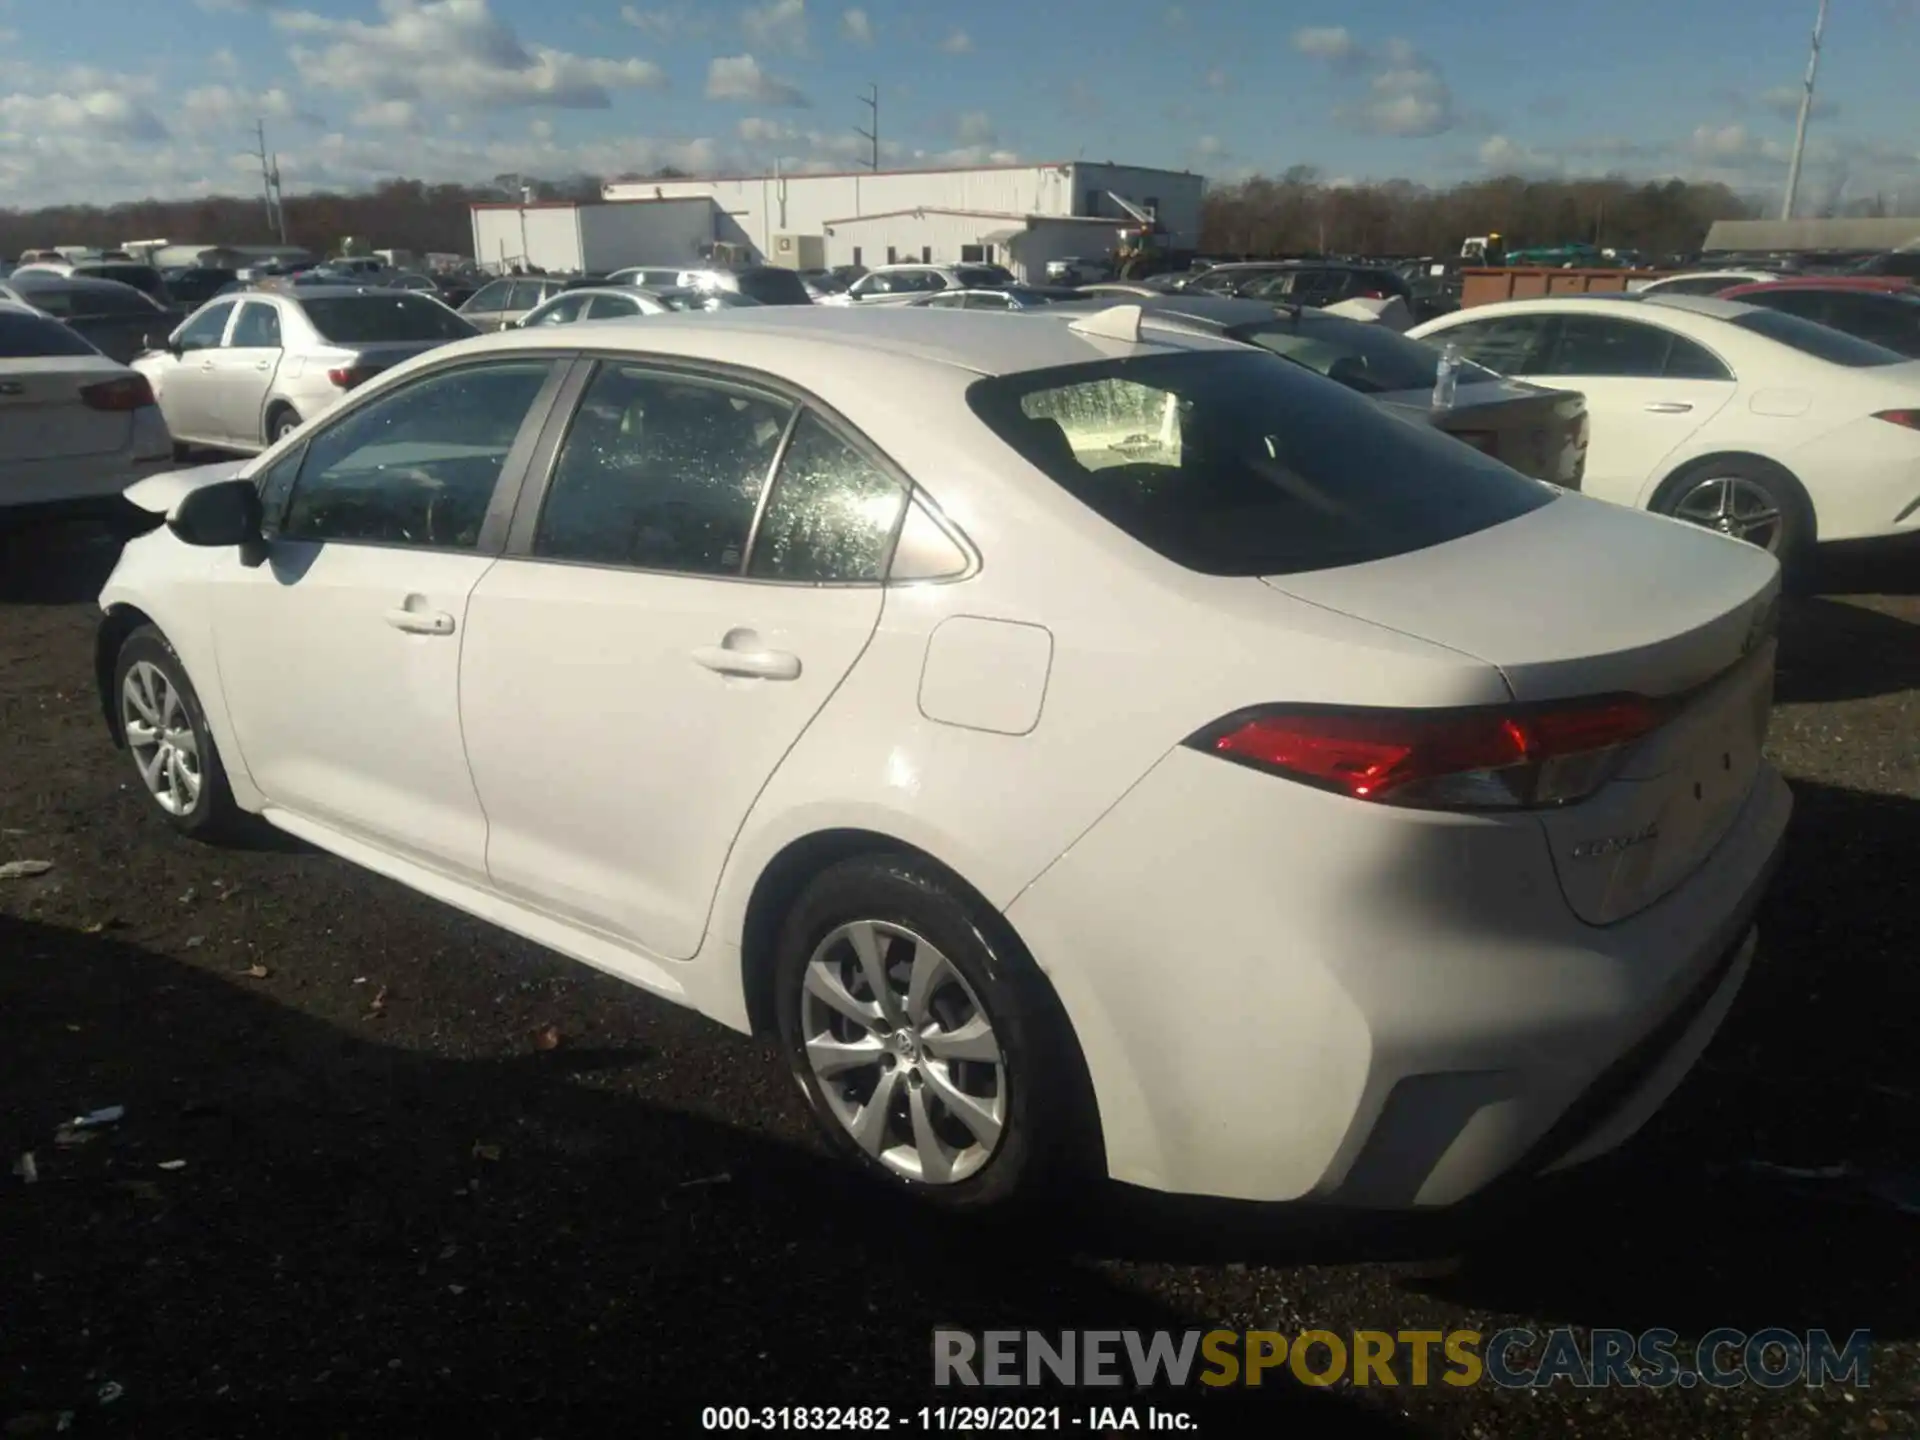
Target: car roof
323 292
978 341
52 280
1711 307
1871 284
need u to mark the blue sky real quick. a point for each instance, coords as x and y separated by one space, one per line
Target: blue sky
95 105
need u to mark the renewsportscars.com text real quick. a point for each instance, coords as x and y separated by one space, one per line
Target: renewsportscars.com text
1511 1359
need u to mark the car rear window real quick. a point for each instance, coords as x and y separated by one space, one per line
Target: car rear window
68 300
1234 463
395 315
774 287
1820 341
982 277
25 336
1362 356
141 277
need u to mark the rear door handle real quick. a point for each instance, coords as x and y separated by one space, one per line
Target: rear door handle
263 364
206 365
1668 407
420 622
758 664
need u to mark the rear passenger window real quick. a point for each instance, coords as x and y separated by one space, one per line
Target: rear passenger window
832 514
660 472
1607 348
1507 345
1688 361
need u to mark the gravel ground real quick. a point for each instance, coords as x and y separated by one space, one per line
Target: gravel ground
402 1201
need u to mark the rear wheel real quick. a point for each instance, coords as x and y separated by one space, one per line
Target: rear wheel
1748 499
931 1052
282 423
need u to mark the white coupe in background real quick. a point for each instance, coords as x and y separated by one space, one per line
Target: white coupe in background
1084 746
75 427
1758 424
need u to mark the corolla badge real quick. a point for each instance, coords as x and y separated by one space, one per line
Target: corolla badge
1605 845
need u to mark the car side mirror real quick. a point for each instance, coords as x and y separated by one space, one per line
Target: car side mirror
228 513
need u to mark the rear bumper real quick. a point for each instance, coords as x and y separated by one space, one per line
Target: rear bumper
1289 995
81 482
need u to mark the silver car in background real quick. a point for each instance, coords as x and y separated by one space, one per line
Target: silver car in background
614 302
246 369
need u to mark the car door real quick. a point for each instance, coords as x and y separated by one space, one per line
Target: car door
243 371
483 308
627 688
188 384
564 311
526 295
1648 389
609 307
339 656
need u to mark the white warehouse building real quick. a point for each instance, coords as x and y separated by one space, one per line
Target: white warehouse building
1020 216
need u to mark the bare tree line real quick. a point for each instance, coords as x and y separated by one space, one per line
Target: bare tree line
1293 213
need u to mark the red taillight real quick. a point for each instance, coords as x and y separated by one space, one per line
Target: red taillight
1371 295
1908 418
346 377
1499 758
129 392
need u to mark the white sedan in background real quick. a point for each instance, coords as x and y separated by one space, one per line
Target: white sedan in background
1758 424
75 427
247 369
623 302
1084 745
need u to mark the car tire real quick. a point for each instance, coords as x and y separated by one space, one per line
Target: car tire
282 423
176 762
1727 494
966 1134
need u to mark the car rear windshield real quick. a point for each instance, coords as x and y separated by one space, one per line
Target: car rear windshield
1819 341
141 277
25 336
982 277
392 316
1234 463
72 301
1362 356
774 287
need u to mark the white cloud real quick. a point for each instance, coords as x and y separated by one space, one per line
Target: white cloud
1209 147
857 26
541 129
975 128
448 52
958 43
1784 101
739 77
1502 156
387 115
225 107
1723 143
88 115
674 23
1217 79
1332 43
223 62
754 130
1175 17
1410 103
778 25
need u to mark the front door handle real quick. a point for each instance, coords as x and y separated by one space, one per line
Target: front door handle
205 366
1668 407
263 364
420 622
756 664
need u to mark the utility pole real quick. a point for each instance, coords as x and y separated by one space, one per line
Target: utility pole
270 182
872 102
1806 109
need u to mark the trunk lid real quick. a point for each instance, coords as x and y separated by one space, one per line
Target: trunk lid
1581 599
42 416
1539 432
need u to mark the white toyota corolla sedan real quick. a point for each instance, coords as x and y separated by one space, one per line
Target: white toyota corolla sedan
1080 744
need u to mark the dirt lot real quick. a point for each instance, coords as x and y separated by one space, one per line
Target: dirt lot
400 1200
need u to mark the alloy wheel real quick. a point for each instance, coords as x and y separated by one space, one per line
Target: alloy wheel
160 736
903 1052
1736 506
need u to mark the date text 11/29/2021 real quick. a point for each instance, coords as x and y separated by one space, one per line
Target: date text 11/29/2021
946 1419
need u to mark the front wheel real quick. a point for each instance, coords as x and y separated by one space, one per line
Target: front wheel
167 737
931 1052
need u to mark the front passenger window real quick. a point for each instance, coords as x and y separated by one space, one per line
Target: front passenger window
203 332
418 465
1509 345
